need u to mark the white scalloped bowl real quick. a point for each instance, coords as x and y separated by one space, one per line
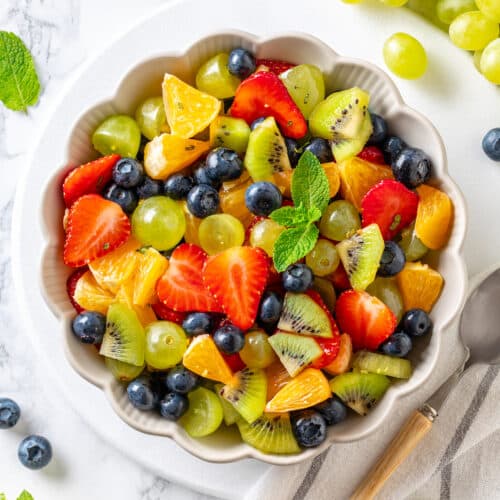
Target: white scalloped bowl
144 80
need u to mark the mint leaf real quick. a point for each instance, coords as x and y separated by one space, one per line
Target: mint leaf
2 496
313 214
20 86
290 216
293 244
24 496
309 183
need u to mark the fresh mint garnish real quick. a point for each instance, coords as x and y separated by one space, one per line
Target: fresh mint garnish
25 495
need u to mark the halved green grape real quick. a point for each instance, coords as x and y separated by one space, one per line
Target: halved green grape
123 372
394 3
386 289
166 343
117 134
323 259
160 222
204 414
405 56
325 288
339 221
214 78
490 62
264 235
473 31
448 10
257 351
413 248
151 118
490 8
219 232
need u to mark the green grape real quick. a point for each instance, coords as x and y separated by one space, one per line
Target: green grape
323 259
264 235
219 232
204 414
325 288
405 56
214 78
448 10
117 134
427 9
352 1
339 221
394 3
388 292
257 351
166 343
123 372
477 59
160 222
490 62
490 8
151 118
473 31
413 248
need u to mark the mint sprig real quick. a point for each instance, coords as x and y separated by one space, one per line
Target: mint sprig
310 194
24 495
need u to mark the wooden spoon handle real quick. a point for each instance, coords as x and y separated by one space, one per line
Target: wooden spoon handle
415 428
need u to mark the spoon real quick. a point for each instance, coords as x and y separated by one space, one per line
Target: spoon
480 338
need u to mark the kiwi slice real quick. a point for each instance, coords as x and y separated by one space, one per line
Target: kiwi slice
123 372
412 246
230 414
360 254
247 393
372 362
295 351
340 115
231 133
343 149
266 152
360 391
270 433
124 339
302 315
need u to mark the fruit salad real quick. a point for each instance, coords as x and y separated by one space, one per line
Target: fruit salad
250 251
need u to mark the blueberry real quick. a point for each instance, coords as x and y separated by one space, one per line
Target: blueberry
416 323
203 200
491 144
392 261
261 198
177 186
223 164
89 327
229 339
379 129
399 344
270 308
198 323
158 384
297 278
148 188
333 410
128 173
200 177
141 395
173 406
309 428
257 122
293 150
181 380
391 147
35 452
241 63
126 198
412 167
321 149
9 413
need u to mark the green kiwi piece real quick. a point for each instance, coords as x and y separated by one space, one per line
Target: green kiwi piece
270 433
123 372
302 315
247 393
360 254
372 362
413 248
124 339
387 290
360 391
340 115
343 149
230 414
295 351
231 133
325 288
266 152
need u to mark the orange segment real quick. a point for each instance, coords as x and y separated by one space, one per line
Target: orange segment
284 182
434 217
420 286
308 388
150 267
91 296
167 154
277 377
358 176
333 176
203 358
342 363
232 202
188 110
192 226
125 295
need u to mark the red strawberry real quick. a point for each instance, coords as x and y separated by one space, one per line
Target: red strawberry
340 279
71 287
88 178
330 348
263 94
181 287
165 313
365 318
95 227
234 362
236 278
391 205
275 65
317 298
373 155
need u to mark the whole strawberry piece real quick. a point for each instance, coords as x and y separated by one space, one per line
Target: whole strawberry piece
373 154
275 65
71 287
165 313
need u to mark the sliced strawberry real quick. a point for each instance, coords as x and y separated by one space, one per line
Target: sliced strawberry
275 65
373 154
165 313
237 277
181 287
317 298
367 319
264 94
234 362
340 279
71 287
330 349
88 179
94 227
391 205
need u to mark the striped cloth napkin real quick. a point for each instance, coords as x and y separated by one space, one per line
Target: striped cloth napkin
458 459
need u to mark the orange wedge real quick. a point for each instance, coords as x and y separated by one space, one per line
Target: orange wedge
308 388
277 378
333 176
125 295
284 182
232 201
150 267
342 363
91 296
